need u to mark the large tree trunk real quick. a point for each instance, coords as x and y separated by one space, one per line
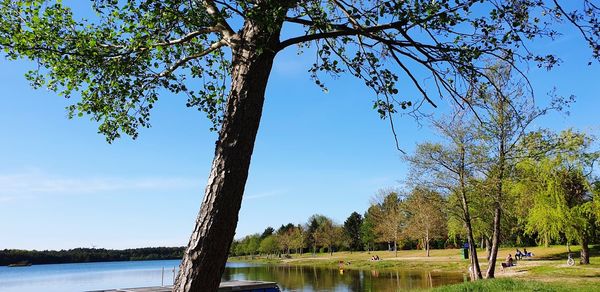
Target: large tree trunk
495 242
585 251
204 259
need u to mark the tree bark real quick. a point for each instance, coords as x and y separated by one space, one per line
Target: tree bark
427 244
495 242
475 270
585 251
488 247
205 257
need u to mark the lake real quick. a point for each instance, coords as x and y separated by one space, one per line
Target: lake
107 275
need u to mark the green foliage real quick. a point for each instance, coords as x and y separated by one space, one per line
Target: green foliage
117 61
328 235
426 216
367 230
249 245
555 187
268 231
352 229
389 216
269 245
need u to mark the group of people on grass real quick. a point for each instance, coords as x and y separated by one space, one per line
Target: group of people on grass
375 258
509 262
520 255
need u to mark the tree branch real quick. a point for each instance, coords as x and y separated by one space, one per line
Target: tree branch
341 31
184 60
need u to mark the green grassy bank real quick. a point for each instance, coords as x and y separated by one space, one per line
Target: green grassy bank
507 284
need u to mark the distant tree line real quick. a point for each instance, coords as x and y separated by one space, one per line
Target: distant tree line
85 255
393 221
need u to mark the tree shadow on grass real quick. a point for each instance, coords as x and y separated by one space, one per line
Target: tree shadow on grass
575 253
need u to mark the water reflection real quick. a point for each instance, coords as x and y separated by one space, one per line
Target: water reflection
321 279
94 276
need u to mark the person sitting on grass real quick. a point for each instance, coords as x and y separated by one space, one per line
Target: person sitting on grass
508 262
519 255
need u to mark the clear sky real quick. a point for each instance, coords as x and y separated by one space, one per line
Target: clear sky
63 186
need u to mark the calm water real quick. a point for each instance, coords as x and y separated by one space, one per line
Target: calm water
94 276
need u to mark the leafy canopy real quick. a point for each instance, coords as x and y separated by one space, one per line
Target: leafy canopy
116 62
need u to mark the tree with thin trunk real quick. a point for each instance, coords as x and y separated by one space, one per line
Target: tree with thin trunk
426 216
116 61
297 236
389 217
505 107
449 168
329 234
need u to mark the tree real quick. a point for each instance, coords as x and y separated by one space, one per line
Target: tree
298 238
367 232
328 234
268 232
312 225
352 227
449 169
269 245
505 110
284 237
558 187
426 217
389 217
120 59
249 245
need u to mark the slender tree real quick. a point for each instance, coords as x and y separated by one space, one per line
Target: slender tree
389 217
449 168
298 236
505 109
117 61
329 234
426 216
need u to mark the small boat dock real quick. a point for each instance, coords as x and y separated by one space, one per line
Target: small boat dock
249 286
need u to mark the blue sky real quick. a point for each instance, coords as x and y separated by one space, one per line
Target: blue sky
63 186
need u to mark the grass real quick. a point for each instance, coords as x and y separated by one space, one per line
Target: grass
506 284
547 271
